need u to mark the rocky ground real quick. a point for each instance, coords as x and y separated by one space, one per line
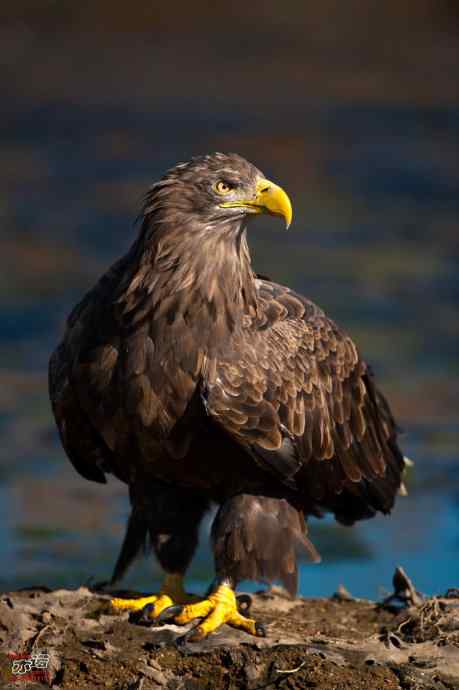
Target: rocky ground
407 642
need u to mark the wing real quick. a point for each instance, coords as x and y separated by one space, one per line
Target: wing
80 376
304 405
82 444
119 373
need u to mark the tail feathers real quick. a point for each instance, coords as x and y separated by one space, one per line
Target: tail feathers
258 538
135 542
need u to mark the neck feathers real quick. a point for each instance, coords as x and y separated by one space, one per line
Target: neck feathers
191 277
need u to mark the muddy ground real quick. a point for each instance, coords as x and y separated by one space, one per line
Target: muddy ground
341 643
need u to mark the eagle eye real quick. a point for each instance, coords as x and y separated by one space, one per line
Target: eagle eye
223 187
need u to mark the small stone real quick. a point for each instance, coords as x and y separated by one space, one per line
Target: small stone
153 674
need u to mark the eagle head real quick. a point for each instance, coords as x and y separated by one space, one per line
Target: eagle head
219 189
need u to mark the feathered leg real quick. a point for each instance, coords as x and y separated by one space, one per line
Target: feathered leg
167 519
256 538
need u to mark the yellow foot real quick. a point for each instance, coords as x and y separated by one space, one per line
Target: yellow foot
151 607
220 607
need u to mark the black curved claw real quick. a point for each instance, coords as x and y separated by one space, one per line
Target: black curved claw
170 612
145 613
182 642
260 630
244 603
142 617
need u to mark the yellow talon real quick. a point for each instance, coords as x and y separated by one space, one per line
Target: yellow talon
172 592
219 608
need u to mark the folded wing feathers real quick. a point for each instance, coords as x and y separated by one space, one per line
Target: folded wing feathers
313 383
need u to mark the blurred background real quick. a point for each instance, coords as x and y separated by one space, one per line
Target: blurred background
354 108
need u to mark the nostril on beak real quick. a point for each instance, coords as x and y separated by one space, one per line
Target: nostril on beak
265 189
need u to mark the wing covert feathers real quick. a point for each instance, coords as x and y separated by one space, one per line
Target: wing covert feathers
305 405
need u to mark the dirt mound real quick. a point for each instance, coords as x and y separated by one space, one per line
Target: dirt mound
340 643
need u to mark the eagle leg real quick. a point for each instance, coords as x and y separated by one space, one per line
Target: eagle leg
167 519
170 594
220 607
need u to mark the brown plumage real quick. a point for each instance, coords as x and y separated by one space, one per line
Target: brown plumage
194 381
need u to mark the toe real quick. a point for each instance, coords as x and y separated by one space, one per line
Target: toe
192 611
236 620
153 610
133 604
221 607
142 617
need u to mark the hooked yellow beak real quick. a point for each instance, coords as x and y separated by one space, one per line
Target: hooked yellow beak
269 198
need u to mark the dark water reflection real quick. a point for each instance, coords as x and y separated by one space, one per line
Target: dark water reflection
374 180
